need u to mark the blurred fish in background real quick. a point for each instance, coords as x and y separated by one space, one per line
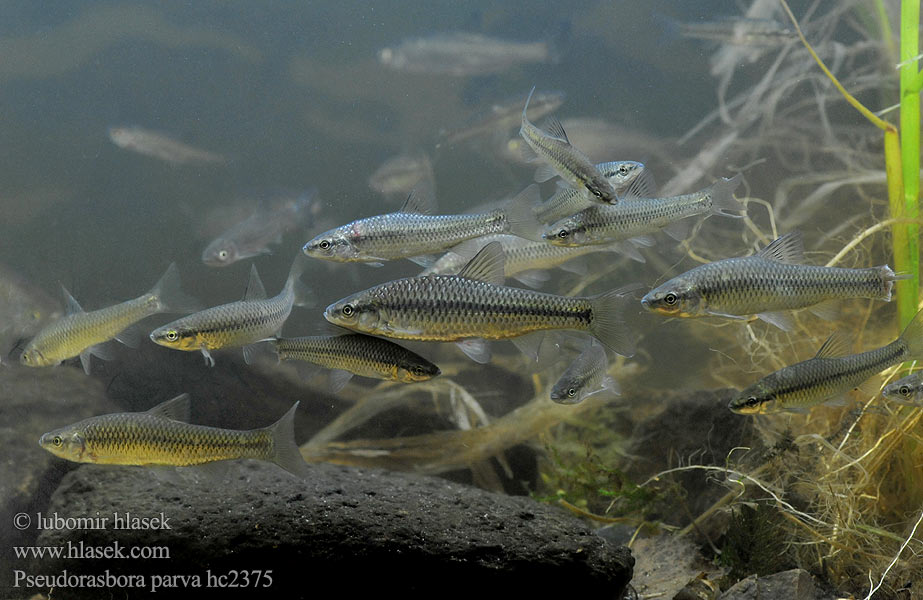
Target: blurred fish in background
264 228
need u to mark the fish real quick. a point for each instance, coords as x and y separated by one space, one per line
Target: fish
461 54
907 390
586 376
767 284
562 158
161 437
829 374
738 31
80 333
600 224
254 235
413 233
474 305
525 261
501 117
24 309
238 324
161 146
357 354
403 174
628 178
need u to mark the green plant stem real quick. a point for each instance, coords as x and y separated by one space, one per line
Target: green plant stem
906 237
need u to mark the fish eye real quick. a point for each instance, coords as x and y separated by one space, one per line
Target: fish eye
904 390
670 299
623 170
571 392
324 245
417 371
752 401
57 441
171 336
563 234
223 254
595 192
348 310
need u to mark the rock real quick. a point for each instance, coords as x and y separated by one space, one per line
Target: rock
694 428
360 530
35 401
796 584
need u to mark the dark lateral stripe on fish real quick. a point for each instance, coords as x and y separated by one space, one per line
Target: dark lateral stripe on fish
423 305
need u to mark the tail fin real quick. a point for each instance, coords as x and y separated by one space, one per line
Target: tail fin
888 277
171 296
722 198
912 336
304 297
285 452
520 215
609 325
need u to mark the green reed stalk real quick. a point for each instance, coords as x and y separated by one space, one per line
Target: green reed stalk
906 237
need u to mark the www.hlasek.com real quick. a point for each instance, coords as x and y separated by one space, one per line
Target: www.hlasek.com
252 578
80 551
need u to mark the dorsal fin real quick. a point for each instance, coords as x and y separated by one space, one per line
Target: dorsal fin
420 203
836 345
255 289
788 248
70 305
176 409
554 128
642 187
487 265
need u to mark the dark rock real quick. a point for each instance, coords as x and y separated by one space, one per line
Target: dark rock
694 428
360 530
796 584
35 401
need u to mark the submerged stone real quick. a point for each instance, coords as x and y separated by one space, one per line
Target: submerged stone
363 530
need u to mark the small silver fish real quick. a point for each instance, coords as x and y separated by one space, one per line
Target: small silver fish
162 437
357 354
828 374
461 54
739 31
264 227
629 179
403 174
80 333
766 284
586 376
238 324
907 390
414 234
161 146
502 117
526 261
562 158
474 304
601 224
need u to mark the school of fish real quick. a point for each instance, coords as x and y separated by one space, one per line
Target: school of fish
463 295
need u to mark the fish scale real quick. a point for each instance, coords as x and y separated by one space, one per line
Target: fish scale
753 284
360 354
429 232
451 308
145 439
603 224
238 323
